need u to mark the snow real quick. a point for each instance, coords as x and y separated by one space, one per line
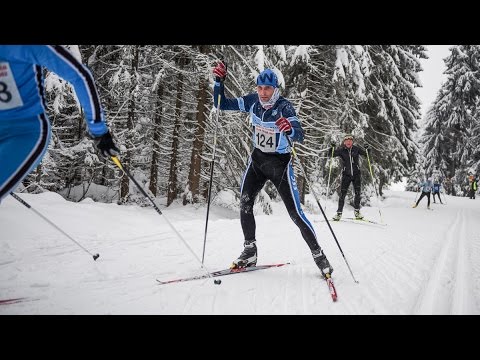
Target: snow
399 186
422 262
340 63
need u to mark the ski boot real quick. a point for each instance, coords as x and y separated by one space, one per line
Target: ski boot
358 216
337 217
414 206
322 262
248 257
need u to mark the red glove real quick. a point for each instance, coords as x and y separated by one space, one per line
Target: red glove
220 72
284 125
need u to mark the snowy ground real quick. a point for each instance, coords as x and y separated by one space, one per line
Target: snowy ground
422 262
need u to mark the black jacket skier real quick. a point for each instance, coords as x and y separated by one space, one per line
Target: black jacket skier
349 154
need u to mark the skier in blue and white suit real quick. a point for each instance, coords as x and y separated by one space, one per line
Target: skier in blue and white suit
273 118
426 187
24 126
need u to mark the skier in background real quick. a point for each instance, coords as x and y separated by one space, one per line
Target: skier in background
473 186
426 187
349 154
436 190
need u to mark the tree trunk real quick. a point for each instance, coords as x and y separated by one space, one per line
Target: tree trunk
196 160
124 186
172 178
452 173
156 141
381 182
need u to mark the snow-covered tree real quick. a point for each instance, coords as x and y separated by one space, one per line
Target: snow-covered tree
451 134
379 81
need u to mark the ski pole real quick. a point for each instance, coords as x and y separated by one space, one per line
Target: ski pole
95 257
416 195
117 162
318 203
211 177
374 186
329 173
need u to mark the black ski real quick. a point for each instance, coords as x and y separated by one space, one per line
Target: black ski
223 273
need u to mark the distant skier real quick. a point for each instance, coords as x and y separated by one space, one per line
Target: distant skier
273 118
426 187
436 191
349 154
24 126
473 187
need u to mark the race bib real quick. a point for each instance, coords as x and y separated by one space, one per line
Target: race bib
9 94
265 139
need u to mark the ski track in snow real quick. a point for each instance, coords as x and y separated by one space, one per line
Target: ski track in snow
423 262
448 288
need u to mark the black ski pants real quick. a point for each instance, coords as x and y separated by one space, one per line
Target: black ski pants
346 180
427 194
438 194
278 169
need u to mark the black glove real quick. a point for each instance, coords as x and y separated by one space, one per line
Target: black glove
367 147
332 145
106 146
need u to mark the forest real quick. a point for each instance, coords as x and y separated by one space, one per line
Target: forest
159 106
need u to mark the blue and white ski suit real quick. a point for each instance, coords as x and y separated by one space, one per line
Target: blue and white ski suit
270 160
24 126
426 187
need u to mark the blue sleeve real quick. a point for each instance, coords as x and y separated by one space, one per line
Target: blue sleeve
243 103
297 131
58 59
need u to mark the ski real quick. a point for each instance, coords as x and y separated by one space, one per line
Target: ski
365 220
353 220
223 272
331 288
12 301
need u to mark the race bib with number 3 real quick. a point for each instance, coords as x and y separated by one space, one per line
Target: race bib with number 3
265 139
9 94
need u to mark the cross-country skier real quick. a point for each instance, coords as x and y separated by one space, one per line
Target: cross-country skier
273 118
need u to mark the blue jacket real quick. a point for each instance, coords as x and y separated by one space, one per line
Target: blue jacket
21 83
426 186
266 136
436 187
